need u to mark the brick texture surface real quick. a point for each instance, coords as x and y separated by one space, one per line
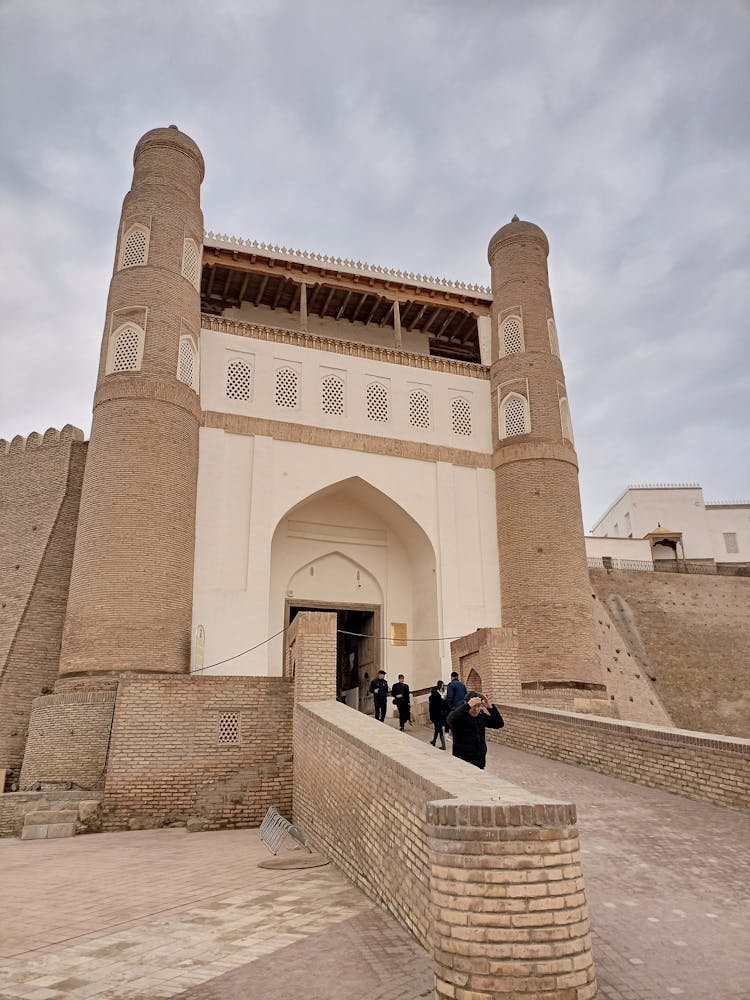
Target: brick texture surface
132 580
168 763
700 766
40 487
692 635
543 577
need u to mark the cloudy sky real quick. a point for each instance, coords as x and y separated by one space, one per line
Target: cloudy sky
405 133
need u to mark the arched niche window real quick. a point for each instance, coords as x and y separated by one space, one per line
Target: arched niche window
511 336
287 388
134 248
332 395
187 363
565 421
239 381
461 416
419 409
125 350
514 416
191 262
554 346
377 402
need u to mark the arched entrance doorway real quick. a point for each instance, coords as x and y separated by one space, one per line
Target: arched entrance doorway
351 549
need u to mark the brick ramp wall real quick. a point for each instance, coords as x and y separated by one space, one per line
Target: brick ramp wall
694 633
485 875
700 766
40 491
167 763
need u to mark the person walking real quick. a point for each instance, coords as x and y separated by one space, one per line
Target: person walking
438 712
455 694
402 701
468 723
379 692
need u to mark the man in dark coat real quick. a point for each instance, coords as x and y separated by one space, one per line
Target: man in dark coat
468 723
379 691
438 712
455 694
401 699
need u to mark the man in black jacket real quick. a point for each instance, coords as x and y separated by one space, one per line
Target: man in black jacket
402 699
379 692
468 723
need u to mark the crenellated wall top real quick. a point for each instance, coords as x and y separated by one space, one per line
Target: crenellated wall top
36 440
358 267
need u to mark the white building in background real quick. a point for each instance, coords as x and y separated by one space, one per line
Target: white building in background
668 521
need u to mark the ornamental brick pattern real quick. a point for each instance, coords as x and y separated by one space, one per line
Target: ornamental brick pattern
131 586
543 574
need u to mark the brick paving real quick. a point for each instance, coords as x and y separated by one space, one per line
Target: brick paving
163 913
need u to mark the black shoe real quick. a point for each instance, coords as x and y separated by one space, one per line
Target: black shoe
432 743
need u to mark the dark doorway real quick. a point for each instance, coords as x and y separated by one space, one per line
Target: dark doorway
356 648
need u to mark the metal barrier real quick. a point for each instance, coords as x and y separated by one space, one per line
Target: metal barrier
275 828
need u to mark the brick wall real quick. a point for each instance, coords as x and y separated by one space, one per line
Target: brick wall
68 739
494 891
15 805
700 766
692 634
40 489
167 761
487 660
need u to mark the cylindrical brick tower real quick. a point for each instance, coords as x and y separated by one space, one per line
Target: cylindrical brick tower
544 584
131 587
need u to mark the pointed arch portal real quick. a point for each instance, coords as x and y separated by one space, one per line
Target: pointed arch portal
350 548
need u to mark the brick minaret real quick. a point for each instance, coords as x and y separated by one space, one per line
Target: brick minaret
131 587
544 583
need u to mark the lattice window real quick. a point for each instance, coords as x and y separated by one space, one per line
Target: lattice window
191 262
239 380
187 363
135 247
514 416
554 346
512 335
730 542
419 409
128 349
287 387
229 727
461 416
565 421
377 402
332 395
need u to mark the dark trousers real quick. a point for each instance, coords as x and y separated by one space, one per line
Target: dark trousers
438 734
380 707
404 714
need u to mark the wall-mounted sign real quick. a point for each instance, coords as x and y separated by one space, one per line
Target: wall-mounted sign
398 634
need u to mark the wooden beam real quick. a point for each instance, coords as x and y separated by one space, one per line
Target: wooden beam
445 323
243 288
279 290
296 297
355 311
397 325
387 314
343 305
261 289
428 324
211 279
312 296
416 318
371 313
325 304
330 277
227 283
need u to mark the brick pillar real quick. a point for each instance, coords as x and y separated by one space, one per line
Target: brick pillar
310 659
493 654
509 911
544 584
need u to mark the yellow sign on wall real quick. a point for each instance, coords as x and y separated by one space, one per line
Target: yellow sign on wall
398 634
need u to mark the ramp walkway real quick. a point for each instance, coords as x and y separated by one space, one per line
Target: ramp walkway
163 913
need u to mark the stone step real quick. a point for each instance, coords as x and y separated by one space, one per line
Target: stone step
46 816
47 831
